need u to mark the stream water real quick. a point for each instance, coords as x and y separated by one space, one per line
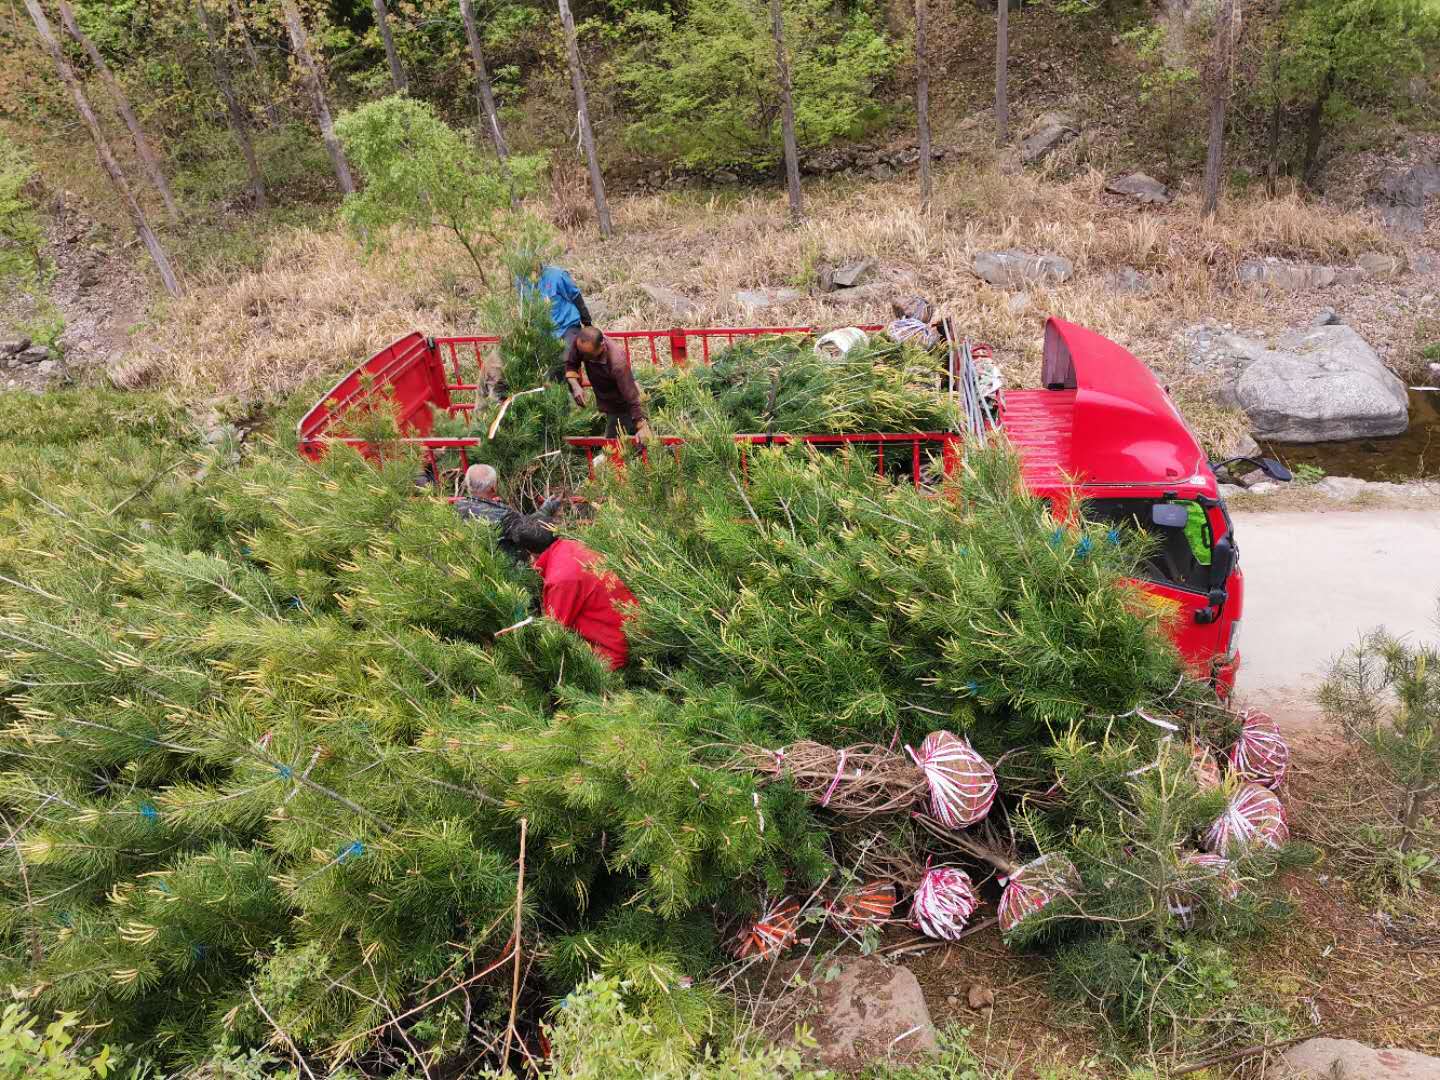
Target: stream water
1404 457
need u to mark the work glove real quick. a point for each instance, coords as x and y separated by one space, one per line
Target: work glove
643 435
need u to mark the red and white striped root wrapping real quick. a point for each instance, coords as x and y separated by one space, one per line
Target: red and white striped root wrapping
943 903
870 904
1035 886
771 934
1204 767
1260 754
1181 899
962 783
1254 817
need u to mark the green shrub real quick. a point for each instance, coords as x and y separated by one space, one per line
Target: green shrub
28 1054
20 234
703 82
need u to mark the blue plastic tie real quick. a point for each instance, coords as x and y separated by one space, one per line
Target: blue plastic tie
162 887
149 813
354 850
964 550
284 771
1083 548
1057 537
296 602
973 687
198 950
245 551
1114 537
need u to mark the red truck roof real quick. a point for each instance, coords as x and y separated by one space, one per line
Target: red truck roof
1102 420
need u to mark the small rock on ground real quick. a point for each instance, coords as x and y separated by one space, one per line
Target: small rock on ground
764 298
676 303
1142 188
1290 277
1019 267
871 1011
1048 132
1345 1059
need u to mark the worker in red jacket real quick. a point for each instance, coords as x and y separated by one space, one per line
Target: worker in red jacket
588 600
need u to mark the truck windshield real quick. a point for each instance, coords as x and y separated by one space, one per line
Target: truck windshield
1181 557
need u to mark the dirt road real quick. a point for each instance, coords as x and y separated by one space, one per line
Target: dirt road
1315 581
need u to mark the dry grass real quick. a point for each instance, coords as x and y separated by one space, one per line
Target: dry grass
317 307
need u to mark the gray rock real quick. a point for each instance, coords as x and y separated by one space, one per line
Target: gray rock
1379 264
10 348
870 1011
1127 280
1241 446
878 292
1142 188
1019 302
1264 487
676 303
1049 131
1317 385
1229 491
764 298
849 275
33 355
1400 197
724 176
1292 277
1329 1059
1326 317
1420 263
1012 268
47 367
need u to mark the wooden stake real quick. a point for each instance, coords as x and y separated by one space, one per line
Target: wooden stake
102 149
300 42
787 115
587 136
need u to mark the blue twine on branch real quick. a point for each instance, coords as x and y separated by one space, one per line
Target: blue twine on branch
1114 537
197 950
1057 537
149 813
973 687
353 850
284 772
296 602
1083 548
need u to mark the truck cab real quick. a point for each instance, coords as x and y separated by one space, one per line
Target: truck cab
1102 439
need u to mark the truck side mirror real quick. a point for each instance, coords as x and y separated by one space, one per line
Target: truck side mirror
1169 515
1222 562
1273 469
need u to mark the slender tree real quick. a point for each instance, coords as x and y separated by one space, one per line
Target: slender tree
257 67
382 23
148 159
787 113
1002 70
587 136
102 148
234 111
922 102
1220 78
299 41
484 95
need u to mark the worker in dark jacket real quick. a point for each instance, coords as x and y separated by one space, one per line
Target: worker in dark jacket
608 369
520 534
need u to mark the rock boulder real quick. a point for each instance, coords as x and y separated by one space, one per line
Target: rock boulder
870 1011
676 303
1329 1059
1314 385
1049 131
1291 277
1014 268
1141 188
764 298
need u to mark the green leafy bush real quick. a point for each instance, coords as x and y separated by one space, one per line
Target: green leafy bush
702 80
28 1054
20 232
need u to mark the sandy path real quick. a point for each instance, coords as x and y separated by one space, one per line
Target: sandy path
1316 581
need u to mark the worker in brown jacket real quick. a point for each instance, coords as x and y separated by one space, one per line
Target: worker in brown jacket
608 369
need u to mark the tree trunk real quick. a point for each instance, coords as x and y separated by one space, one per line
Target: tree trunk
922 103
1221 60
787 114
262 79
485 96
311 71
587 136
1002 71
148 161
102 149
234 111
1315 128
382 23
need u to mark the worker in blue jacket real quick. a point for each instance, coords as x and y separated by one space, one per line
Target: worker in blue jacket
567 307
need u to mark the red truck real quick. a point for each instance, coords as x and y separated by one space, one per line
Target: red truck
1101 428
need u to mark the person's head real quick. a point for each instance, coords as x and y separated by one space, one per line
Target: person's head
480 482
590 342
